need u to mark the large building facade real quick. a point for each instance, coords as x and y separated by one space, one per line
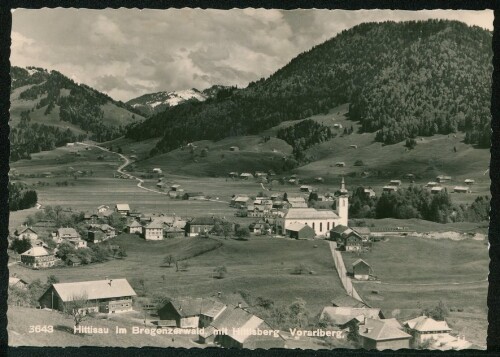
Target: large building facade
321 221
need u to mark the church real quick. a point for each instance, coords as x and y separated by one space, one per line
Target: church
319 220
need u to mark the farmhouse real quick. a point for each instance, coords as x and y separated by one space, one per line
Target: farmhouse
319 179
175 187
15 282
26 232
108 231
369 192
199 225
260 174
259 227
38 257
353 146
364 232
246 176
296 201
461 189
300 231
337 126
194 196
153 231
381 335
432 184
424 328
102 208
361 270
233 174
236 321
389 188
469 181
174 232
340 316
437 189
73 260
443 178
104 296
190 313
123 209
157 170
395 183
66 234
340 164
305 188
134 227
234 148
350 241
241 201
337 231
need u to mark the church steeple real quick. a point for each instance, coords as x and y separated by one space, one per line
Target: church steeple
343 191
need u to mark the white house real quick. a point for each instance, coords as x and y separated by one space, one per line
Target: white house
26 232
424 328
153 231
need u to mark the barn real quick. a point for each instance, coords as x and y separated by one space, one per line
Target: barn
190 313
300 231
361 270
105 296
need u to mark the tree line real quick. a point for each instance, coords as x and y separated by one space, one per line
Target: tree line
20 197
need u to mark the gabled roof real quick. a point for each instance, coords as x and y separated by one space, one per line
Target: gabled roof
297 227
97 289
134 224
202 221
235 317
36 252
67 232
122 207
342 315
379 330
154 225
22 229
310 213
339 229
197 306
427 324
360 261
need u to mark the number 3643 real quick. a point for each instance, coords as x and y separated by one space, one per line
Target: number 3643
41 329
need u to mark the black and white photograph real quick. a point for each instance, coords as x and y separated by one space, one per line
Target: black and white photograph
250 178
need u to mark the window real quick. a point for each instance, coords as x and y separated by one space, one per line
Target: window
327 226
321 226
313 226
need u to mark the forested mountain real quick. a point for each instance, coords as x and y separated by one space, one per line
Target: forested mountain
402 80
48 110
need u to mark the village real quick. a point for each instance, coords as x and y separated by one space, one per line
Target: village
285 216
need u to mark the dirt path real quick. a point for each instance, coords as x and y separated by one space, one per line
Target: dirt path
341 269
140 181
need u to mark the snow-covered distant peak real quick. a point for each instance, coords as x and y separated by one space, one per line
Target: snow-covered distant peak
155 102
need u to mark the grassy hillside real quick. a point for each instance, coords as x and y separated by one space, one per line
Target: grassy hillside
402 79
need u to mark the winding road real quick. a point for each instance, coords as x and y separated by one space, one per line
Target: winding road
126 163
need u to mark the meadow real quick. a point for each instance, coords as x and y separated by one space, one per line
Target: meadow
416 273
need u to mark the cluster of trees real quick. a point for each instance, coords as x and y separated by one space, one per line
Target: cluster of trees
29 297
20 197
303 135
416 202
77 103
27 138
97 253
417 78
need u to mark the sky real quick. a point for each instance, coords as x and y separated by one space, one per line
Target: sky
129 52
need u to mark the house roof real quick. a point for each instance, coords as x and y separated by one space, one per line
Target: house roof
67 232
103 206
346 300
342 315
22 229
235 317
155 225
461 188
122 207
296 227
36 252
202 220
361 230
196 306
360 261
427 324
339 229
393 322
97 289
379 330
242 199
134 224
310 213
